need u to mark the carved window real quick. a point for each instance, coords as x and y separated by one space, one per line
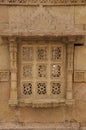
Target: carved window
42 71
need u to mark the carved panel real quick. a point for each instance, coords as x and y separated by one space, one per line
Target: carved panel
4 76
27 88
55 88
41 70
79 76
41 53
27 53
55 70
33 20
41 88
27 71
56 53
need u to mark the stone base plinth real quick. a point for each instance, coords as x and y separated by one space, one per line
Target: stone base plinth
39 126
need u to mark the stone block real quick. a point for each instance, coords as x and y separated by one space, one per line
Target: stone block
79 26
7 114
56 19
4 14
42 115
80 15
4 91
80 58
4 56
80 91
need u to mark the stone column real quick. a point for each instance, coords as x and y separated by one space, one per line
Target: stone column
70 62
13 71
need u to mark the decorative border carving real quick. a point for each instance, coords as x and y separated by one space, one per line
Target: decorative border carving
4 76
42 2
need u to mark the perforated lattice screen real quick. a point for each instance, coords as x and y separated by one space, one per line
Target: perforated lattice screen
42 70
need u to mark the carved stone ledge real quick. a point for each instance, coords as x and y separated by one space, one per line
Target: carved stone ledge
45 103
66 125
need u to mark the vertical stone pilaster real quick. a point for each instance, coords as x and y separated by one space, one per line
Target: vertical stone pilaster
70 62
13 71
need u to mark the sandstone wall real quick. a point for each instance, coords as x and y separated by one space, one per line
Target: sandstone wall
16 19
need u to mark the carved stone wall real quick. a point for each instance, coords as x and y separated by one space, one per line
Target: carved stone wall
22 19
31 20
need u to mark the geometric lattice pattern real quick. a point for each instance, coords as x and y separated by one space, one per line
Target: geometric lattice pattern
56 53
27 88
41 53
41 88
55 70
56 88
27 53
42 67
27 71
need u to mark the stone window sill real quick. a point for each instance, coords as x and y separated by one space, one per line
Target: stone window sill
41 103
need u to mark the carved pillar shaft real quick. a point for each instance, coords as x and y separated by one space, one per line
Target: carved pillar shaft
13 69
70 53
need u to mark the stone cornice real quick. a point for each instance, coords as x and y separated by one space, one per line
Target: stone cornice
43 2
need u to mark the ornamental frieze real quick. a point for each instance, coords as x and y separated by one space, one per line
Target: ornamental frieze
42 2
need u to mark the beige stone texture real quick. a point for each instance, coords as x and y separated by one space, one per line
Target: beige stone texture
4 20
51 21
3 14
80 60
79 26
4 55
43 115
80 15
33 20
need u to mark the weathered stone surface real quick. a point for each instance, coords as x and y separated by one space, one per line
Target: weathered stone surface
32 21
45 126
46 21
80 18
80 61
43 2
4 55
